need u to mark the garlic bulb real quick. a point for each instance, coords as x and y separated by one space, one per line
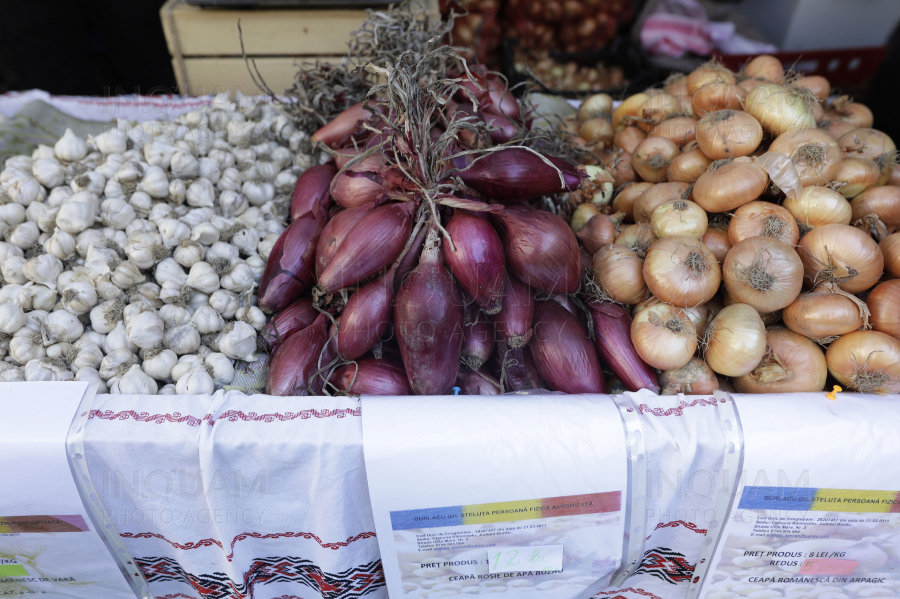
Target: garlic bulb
11 269
232 203
196 382
145 330
252 316
200 194
204 234
89 355
61 326
12 318
70 147
154 182
170 270
74 217
7 250
92 376
222 251
238 279
225 303
39 297
188 253
118 339
158 363
117 213
220 368
183 339
105 316
90 181
238 341
116 363
198 216
184 165
203 277
144 251
26 345
173 231
41 370
126 274
203 351
23 235
112 141
135 382
185 365
174 316
168 389
246 240
258 192
207 320
9 373
130 172
79 298
48 172
61 245
159 153
257 266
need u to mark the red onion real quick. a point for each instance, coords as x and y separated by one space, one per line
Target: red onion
504 129
493 95
476 259
361 183
345 155
311 191
513 175
471 382
372 244
428 317
513 321
373 377
289 270
366 318
515 368
334 233
295 317
612 338
460 110
342 125
297 360
478 340
541 249
411 259
562 353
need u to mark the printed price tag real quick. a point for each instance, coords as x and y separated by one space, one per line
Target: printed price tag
544 558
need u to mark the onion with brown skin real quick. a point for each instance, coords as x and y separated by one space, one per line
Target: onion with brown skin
817 84
792 364
597 130
868 143
688 166
679 218
764 66
619 166
764 273
657 195
626 197
815 155
581 215
883 302
855 175
845 109
598 232
843 255
717 96
716 237
638 237
628 108
618 271
694 378
890 249
628 138
727 185
655 110
681 271
735 340
728 133
781 109
817 206
763 219
664 336
677 129
652 157
866 361
699 315
825 312
883 202
710 72
595 106
834 127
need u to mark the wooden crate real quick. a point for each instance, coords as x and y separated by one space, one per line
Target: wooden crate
206 50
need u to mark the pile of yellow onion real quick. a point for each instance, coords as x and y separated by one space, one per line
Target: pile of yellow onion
752 231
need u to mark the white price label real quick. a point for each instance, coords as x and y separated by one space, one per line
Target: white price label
543 558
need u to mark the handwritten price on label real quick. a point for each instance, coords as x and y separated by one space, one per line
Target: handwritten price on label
544 558
828 567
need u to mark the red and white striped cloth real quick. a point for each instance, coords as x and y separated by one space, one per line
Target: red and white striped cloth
234 496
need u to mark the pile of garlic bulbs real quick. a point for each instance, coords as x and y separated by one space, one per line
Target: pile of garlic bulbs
131 259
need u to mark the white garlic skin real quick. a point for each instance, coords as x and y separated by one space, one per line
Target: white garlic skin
174 315
92 376
185 364
145 330
70 147
38 370
188 253
74 217
160 366
239 343
79 298
61 326
26 345
12 317
196 382
10 373
168 389
183 339
220 367
116 361
207 320
225 303
48 172
135 382
203 277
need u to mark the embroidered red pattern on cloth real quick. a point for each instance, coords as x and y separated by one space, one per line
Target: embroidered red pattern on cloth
688 525
641 592
645 409
666 564
248 535
230 416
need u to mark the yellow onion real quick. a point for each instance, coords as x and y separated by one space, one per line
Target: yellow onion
717 96
699 315
627 196
716 239
884 304
868 143
836 128
845 109
843 255
628 109
656 109
816 156
780 109
855 175
726 185
597 130
792 364
825 312
678 129
764 66
735 340
817 206
676 84
694 378
764 273
664 336
595 106
618 271
711 72
817 84
763 219
866 361
581 215
628 138
638 237
688 166
883 202
657 195
728 134
619 166
681 271
652 157
596 233
890 249
679 218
